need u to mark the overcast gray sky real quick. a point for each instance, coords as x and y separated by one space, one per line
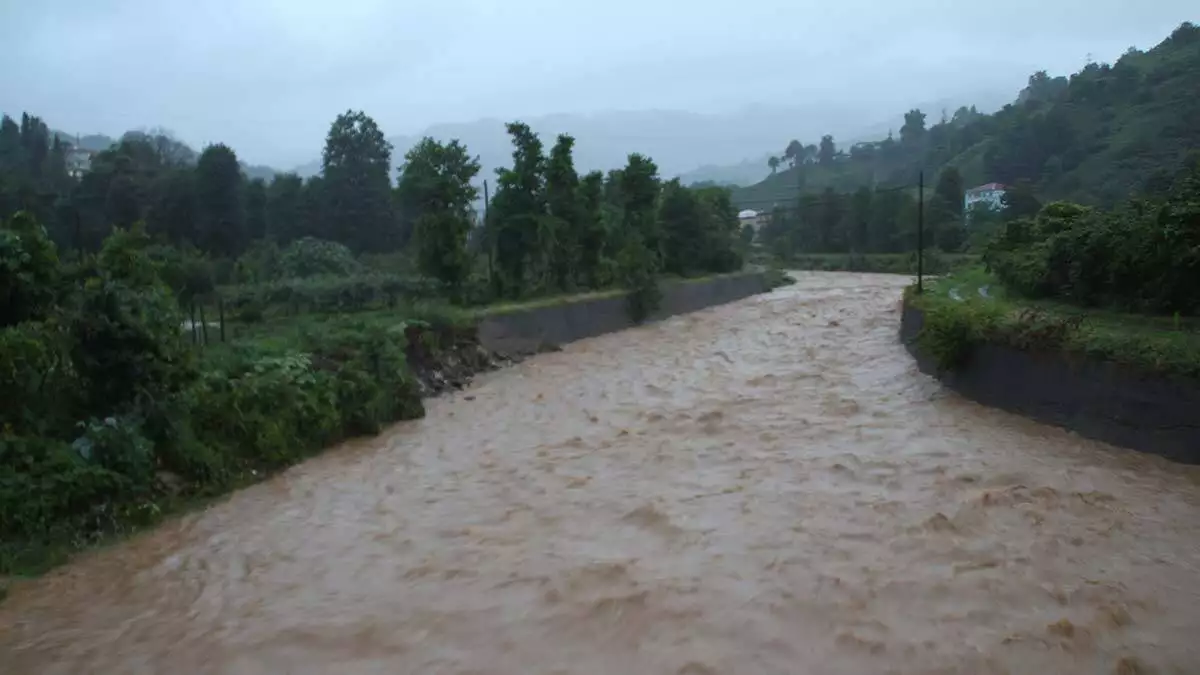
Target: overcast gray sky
268 76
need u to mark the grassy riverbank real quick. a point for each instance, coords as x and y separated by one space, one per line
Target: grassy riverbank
971 306
214 417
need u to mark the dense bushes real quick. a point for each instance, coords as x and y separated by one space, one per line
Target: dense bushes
110 417
1144 256
309 257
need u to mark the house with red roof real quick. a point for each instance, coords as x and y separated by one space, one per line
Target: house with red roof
990 193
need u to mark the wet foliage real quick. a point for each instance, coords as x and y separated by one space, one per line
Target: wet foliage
1142 256
112 418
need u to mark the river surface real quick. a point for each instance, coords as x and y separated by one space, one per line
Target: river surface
764 487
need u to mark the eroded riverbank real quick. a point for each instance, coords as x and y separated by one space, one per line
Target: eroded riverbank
763 487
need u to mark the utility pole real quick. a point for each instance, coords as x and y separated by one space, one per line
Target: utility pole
921 233
487 234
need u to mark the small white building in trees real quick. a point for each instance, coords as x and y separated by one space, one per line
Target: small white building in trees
755 219
991 193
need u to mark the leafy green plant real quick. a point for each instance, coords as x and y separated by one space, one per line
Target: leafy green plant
310 257
951 332
29 270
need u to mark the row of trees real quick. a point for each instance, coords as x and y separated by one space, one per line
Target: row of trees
548 228
886 220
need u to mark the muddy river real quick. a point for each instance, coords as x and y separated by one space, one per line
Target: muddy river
764 487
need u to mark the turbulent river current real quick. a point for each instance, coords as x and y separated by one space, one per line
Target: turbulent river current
768 486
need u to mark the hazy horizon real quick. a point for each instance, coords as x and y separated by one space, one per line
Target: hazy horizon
268 79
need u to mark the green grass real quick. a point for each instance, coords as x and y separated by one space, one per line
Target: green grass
1159 344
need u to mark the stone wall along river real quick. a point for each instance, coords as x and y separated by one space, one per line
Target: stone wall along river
768 486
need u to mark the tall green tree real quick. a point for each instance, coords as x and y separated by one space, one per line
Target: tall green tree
562 200
639 191
950 189
860 220
285 208
435 186
220 211
256 209
827 152
518 215
829 216
355 166
595 242
794 152
682 220
913 130
173 208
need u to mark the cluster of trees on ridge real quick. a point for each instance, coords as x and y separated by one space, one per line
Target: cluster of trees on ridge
1095 138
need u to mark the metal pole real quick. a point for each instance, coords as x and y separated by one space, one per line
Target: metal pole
487 233
921 233
203 324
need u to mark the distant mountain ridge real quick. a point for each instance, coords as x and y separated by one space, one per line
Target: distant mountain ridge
1095 137
730 148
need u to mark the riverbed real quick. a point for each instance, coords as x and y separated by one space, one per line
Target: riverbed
768 486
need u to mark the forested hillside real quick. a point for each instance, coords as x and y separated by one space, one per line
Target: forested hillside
1094 137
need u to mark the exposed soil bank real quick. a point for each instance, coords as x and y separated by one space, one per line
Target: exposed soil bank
1105 401
527 331
445 359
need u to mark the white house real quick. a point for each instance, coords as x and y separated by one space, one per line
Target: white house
755 219
991 193
79 161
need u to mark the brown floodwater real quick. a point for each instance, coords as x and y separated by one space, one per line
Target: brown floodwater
764 487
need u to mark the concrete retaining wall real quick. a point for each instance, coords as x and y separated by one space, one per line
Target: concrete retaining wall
1105 401
530 330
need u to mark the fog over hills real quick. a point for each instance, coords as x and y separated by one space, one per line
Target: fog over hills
725 148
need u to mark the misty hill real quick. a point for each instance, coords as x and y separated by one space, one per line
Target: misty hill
731 147
1094 137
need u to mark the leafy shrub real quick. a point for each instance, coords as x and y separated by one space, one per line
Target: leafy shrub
638 275
267 413
310 257
187 272
29 270
118 445
107 418
259 264
45 485
951 332
38 381
1037 329
126 343
1143 256
371 377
